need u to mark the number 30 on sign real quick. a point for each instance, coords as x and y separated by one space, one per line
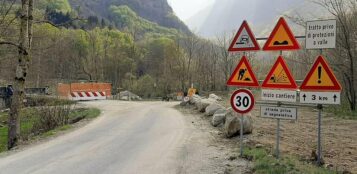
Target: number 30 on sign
242 101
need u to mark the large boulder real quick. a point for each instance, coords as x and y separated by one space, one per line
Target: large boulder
232 124
215 97
212 108
194 99
203 104
183 103
127 95
219 117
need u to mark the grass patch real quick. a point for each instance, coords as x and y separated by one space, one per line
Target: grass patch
267 164
88 113
28 118
55 131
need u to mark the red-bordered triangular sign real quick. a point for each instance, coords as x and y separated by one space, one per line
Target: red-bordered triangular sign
281 38
321 77
280 76
243 75
244 40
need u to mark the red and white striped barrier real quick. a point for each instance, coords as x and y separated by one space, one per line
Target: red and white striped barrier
83 96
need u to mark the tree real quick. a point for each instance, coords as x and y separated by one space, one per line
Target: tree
227 60
345 54
24 56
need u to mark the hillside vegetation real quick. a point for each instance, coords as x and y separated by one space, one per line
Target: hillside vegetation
59 5
157 11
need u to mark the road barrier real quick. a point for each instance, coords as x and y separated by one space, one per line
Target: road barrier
84 91
82 96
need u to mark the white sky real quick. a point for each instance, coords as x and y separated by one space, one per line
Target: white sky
184 9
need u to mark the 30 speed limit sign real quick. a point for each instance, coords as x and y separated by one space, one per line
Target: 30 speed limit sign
242 101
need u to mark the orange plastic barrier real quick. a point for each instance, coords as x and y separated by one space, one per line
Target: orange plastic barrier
65 90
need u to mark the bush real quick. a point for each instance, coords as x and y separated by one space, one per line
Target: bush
51 117
33 101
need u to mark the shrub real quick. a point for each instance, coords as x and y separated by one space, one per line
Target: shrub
51 117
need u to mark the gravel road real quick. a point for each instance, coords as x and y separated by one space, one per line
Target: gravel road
128 138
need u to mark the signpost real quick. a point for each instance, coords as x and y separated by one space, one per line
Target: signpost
332 98
320 87
191 92
321 34
280 76
281 80
320 78
279 95
243 75
244 40
278 112
281 38
186 99
242 101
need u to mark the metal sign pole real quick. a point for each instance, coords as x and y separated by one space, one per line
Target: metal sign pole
241 135
277 153
319 147
277 138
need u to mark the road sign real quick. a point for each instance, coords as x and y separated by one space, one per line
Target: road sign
244 40
281 38
333 98
242 101
321 34
278 112
191 92
280 77
243 75
320 78
279 95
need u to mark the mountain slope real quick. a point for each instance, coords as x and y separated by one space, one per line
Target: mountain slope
157 11
227 15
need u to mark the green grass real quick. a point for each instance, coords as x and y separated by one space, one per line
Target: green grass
3 139
267 164
89 113
28 118
55 131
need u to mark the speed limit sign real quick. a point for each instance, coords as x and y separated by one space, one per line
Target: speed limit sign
242 101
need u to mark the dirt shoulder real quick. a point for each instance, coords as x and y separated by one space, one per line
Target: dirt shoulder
299 138
207 146
339 137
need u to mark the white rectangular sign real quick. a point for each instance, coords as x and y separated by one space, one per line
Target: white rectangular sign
321 34
279 95
333 98
278 112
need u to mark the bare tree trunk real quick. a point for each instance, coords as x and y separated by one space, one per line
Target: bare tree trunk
21 73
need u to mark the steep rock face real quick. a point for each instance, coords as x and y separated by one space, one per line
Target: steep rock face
158 11
225 16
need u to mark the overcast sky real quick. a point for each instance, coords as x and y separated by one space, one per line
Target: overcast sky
184 9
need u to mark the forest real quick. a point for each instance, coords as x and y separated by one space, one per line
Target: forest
136 54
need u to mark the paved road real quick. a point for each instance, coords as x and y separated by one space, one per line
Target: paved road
128 138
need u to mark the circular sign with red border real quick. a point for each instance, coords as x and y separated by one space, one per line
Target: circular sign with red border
242 101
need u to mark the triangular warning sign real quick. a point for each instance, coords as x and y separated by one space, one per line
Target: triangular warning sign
321 77
280 76
281 38
243 75
244 40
